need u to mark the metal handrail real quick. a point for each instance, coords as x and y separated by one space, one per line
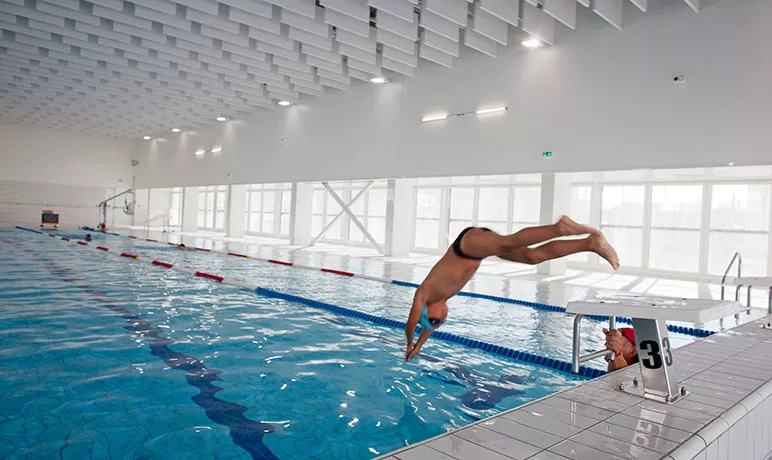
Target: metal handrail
164 227
739 259
576 358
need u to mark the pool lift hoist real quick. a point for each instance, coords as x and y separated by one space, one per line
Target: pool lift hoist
128 207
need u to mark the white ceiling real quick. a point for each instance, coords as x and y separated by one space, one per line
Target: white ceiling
142 67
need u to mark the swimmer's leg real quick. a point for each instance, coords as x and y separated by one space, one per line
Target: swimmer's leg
481 244
556 249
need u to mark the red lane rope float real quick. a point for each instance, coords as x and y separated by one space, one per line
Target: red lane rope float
130 256
163 264
82 243
152 241
52 235
133 237
210 276
102 248
65 239
280 262
337 272
203 249
236 254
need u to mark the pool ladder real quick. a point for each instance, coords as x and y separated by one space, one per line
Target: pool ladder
164 218
739 282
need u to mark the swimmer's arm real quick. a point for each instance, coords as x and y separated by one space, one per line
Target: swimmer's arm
419 300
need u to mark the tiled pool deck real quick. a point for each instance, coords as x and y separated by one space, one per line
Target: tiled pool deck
728 375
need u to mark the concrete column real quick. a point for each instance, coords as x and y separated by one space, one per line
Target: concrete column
235 220
301 211
555 202
190 209
400 217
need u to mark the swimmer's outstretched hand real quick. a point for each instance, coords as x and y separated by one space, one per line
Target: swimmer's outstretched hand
412 351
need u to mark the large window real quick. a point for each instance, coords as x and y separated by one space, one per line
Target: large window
268 209
175 213
526 207
445 206
581 211
676 212
493 208
427 218
682 220
212 203
622 221
739 221
369 208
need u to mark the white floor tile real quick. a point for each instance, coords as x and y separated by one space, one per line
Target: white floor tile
498 442
462 449
521 432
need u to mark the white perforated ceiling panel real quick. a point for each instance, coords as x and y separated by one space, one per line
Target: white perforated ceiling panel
141 67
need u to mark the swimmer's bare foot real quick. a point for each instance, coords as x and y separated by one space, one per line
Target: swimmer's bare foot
567 227
600 246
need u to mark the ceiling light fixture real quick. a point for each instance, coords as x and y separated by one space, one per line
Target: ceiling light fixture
434 117
491 110
147 138
176 130
532 43
378 80
731 163
200 152
284 103
221 118
217 149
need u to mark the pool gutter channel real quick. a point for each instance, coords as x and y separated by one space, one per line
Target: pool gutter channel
695 332
525 357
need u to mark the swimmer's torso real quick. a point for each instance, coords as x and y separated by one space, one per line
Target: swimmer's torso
449 276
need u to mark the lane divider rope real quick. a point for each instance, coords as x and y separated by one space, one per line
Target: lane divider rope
696 332
558 365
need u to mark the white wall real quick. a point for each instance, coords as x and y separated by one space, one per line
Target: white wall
35 155
68 173
600 99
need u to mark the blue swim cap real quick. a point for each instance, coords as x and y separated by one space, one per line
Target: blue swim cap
424 319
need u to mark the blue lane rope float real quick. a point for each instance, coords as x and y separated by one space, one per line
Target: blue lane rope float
525 357
542 306
29 230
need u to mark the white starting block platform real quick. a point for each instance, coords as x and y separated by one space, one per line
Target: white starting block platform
655 357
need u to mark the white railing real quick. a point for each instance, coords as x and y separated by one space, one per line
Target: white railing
164 224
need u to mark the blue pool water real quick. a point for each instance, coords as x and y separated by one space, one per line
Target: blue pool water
103 357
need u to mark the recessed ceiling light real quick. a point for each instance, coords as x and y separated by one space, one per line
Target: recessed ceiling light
147 138
434 117
731 163
284 103
221 118
491 110
217 149
176 130
378 80
200 152
532 43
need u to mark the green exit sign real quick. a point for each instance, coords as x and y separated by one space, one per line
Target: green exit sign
546 154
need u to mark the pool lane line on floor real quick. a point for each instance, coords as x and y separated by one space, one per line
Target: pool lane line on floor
245 433
695 332
525 357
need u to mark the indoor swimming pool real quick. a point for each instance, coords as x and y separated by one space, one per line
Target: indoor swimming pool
104 357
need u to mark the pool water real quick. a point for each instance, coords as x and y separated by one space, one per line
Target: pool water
103 357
